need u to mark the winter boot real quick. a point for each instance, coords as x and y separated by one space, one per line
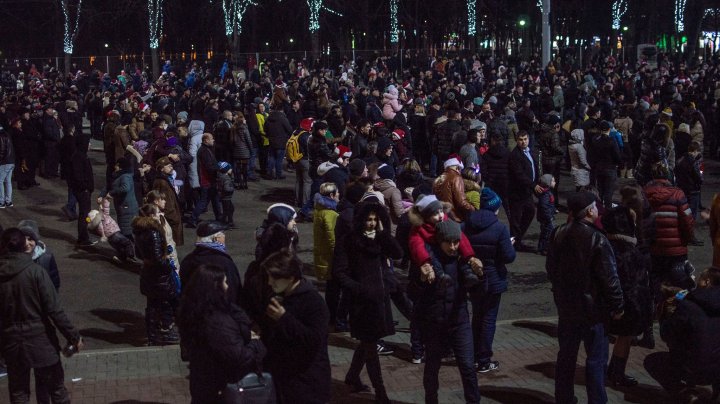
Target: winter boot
648 339
616 373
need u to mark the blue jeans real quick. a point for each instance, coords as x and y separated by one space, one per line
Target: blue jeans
570 334
251 166
275 160
459 337
6 171
485 310
545 229
307 208
433 165
207 195
693 199
71 201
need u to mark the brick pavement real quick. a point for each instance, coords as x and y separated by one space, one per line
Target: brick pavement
526 350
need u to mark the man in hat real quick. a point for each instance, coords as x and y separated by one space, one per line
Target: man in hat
582 270
210 249
443 318
51 140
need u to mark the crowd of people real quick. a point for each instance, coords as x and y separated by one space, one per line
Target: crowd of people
395 169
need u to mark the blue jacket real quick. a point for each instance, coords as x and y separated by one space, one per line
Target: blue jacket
126 206
545 206
490 240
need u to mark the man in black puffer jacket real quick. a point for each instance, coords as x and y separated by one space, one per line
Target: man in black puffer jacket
586 288
278 130
494 168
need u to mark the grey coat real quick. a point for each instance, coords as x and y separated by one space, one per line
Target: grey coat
126 206
580 169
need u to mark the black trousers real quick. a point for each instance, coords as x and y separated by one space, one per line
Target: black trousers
49 384
83 199
522 213
52 158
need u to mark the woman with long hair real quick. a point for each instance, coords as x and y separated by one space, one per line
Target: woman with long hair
361 267
216 335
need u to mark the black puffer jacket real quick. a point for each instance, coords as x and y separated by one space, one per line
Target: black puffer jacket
691 335
443 142
156 280
241 142
650 153
494 169
581 267
551 148
204 254
319 152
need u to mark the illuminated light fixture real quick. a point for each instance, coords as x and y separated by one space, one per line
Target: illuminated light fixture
619 8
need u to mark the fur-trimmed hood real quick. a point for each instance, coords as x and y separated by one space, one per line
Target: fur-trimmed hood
471 185
416 218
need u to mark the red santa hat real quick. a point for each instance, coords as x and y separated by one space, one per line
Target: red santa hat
307 124
454 160
343 152
398 134
406 85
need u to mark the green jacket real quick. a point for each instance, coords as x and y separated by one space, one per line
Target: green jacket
29 312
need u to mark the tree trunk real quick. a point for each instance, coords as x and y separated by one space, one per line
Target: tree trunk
67 65
315 43
235 48
155 62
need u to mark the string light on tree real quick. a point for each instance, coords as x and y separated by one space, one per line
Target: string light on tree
619 8
233 13
680 15
155 22
314 6
539 5
471 17
71 27
394 31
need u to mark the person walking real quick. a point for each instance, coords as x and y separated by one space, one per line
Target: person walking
586 290
207 167
29 304
82 184
524 174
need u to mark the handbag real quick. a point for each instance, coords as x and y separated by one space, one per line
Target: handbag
254 388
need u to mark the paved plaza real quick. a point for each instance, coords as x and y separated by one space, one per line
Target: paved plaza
104 302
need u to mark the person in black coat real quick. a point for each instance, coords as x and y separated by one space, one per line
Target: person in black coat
524 175
361 268
82 184
277 130
490 240
28 150
216 335
210 250
51 137
632 268
296 335
604 158
690 323
495 170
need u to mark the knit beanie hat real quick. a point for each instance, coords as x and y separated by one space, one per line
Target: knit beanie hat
223 166
427 204
280 213
386 172
30 229
489 200
357 167
546 180
447 231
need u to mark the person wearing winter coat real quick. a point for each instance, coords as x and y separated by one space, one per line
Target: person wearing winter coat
241 149
524 174
207 171
442 313
158 281
545 212
551 149
632 269
689 325
471 180
7 165
449 187
495 170
277 130
30 313
123 194
390 104
385 184
296 333
196 130
579 166
674 230
689 178
82 184
41 253
172 210
107 228
491 243
226 189
363 272
324 218
216 335
604 158
652 151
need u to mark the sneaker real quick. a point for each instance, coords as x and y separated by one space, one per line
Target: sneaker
2 206
86 243
9 204
384 349
488 367
418 359
3 371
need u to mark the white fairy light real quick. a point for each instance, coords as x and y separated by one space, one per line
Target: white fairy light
155 22
314 6
471 17
680 15
394 32
619 8
71 28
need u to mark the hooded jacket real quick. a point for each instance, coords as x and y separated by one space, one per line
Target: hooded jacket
580 169
449 187
324 218
277 129
196 129
391 105
490 241
29 313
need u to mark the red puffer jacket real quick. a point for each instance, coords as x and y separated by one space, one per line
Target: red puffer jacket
673 220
